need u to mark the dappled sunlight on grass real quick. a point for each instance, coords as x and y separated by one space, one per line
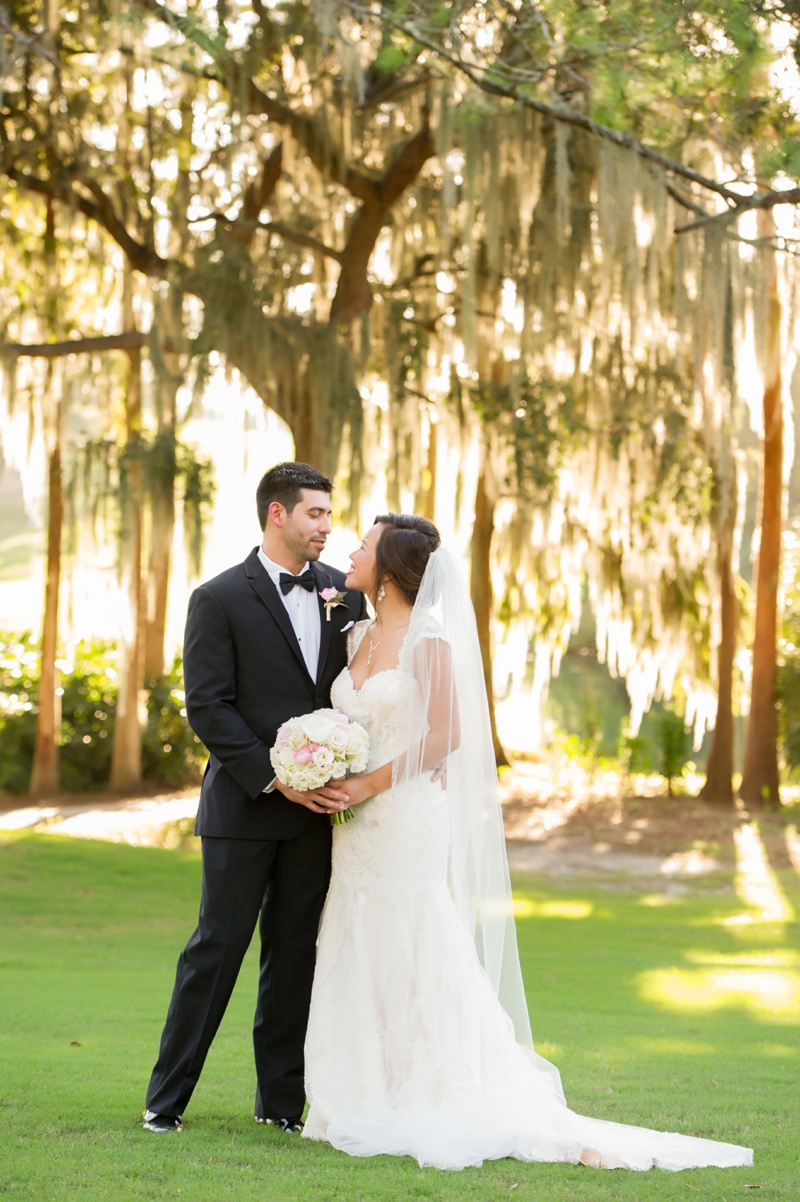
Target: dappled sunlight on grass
793 846
783 958
658 899
525 907
777 1049
756 984
550 1051
756 883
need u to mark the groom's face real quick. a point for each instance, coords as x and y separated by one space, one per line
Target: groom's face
306 528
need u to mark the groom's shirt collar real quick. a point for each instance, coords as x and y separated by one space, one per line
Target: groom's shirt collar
274 570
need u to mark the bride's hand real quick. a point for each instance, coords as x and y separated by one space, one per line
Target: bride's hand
328 800
357 788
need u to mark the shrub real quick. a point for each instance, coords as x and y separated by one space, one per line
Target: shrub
19 667
674 747
171 753
789 690
88 708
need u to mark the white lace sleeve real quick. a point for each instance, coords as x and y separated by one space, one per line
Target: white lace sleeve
354 637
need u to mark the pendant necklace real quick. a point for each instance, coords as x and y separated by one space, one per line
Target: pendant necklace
374 648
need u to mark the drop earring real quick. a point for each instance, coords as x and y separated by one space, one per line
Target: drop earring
381 593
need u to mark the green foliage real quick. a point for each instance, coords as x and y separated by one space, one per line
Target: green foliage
171 753
389 59
674 746
88 707
789 657
19 666
634 754
789 699
586 702
538 420
198 497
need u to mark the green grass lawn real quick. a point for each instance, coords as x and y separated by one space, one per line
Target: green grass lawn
660 1014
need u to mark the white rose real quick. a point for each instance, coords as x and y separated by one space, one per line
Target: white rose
317 727
323 758
338 739
297 738
305 778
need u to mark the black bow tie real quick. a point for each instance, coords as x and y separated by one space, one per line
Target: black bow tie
306 581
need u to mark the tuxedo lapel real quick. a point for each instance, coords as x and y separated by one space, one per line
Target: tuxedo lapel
261 582
325 628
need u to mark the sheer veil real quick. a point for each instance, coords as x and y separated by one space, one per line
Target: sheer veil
449 738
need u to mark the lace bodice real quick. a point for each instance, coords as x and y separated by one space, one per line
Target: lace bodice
402 816
381 705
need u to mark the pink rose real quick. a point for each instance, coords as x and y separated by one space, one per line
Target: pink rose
284 735
328 594
303 755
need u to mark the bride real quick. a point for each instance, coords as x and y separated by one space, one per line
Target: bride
419 1042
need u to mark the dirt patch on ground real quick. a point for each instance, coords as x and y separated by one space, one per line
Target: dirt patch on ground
560 803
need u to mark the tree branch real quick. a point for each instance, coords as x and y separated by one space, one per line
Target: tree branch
312 135
257 195
353 293
32 44
481 79
759 200
129 340
141 257
244 230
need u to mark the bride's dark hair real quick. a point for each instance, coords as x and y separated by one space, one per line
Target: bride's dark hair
403 550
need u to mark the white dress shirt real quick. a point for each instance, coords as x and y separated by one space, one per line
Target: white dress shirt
303 610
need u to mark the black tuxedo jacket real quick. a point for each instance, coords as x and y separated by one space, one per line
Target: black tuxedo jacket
244 676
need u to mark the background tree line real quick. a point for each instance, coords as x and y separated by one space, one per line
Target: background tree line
521 260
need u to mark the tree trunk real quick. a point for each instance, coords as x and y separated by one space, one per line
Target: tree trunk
168 379
161 537
126 759
44 772
481 592
760 783
302 425
44 777
718 785
427 505
126 754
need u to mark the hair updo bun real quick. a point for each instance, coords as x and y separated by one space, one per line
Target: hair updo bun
403 550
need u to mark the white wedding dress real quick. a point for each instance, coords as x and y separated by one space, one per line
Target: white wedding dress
409 1051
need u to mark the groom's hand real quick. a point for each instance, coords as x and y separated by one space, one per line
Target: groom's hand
327 800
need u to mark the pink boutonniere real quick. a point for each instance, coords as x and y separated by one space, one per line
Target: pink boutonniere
331 598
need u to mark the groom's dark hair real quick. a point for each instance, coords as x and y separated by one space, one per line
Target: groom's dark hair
283 483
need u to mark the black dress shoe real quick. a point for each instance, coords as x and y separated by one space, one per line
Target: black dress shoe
162 1124
292 1126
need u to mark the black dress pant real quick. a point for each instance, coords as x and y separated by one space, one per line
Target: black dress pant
284 881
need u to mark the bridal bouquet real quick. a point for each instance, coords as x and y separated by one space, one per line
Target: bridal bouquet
315 748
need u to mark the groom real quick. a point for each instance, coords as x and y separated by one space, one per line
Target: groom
260 647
